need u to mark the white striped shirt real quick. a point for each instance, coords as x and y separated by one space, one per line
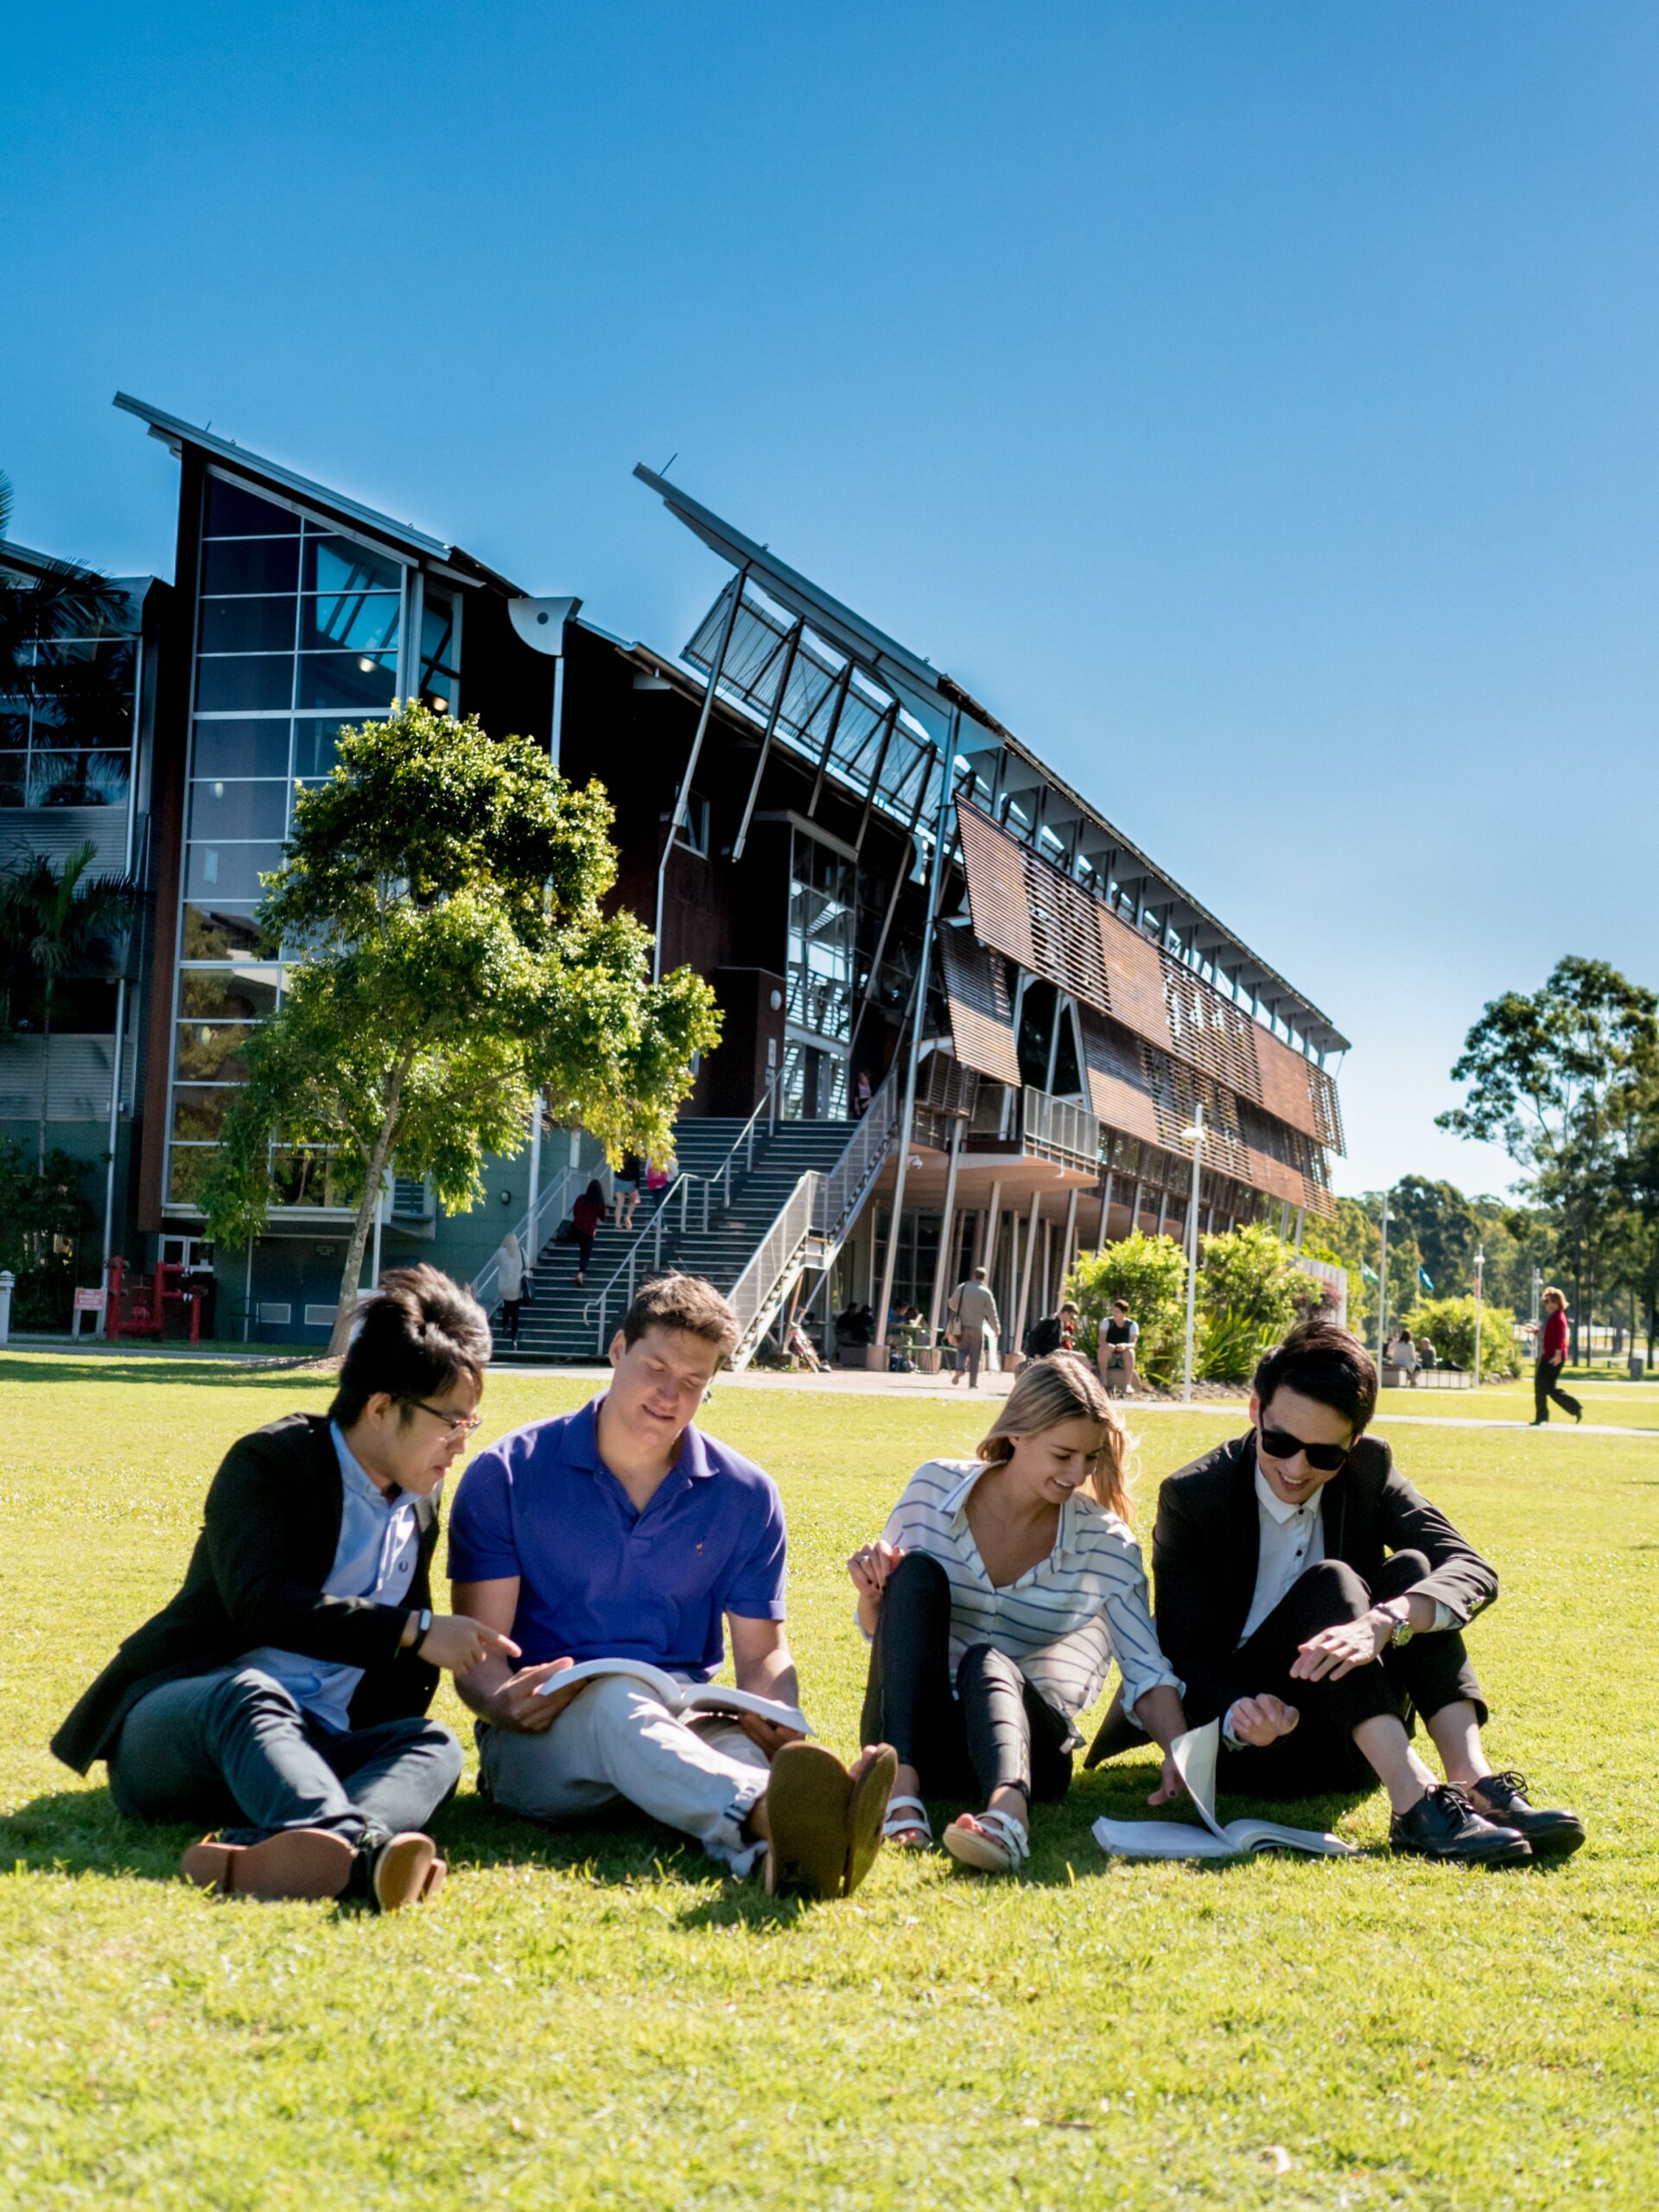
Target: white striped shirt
1065 1620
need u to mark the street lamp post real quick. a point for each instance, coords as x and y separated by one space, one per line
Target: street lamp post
1194 1136
1480 1271
1382 1287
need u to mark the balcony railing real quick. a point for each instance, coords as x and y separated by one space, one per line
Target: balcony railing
1055 1129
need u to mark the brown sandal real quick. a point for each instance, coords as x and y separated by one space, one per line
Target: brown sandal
809 1798
874 1774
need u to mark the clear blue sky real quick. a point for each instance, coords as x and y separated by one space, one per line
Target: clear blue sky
1254 402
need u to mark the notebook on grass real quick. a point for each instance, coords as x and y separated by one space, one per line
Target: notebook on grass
1195 1758
683 1697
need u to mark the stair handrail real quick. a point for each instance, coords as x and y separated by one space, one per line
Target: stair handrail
759 1291
843 1190
556 1200
767 1104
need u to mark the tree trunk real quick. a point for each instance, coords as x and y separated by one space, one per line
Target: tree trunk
46 1073
351 1274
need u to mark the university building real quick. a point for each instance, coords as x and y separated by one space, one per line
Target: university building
895 900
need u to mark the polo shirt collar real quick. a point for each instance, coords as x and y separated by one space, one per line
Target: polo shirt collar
581 1446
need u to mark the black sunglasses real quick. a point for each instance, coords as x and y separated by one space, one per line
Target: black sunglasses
1325 1459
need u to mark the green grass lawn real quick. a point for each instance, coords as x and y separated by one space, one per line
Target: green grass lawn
593 2018
1613 1401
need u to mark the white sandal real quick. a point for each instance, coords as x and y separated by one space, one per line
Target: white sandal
996 1846
907 1816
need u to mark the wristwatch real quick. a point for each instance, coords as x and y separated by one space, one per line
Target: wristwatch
1403 1630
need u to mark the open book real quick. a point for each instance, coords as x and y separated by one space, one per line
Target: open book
1195 1758
683 1697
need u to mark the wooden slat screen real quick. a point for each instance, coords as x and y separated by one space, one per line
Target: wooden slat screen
982 1013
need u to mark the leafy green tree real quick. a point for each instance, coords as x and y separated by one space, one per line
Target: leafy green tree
1149 1273
58 921
1442 1221
1449 1325
1247 1273
447 890
43 1218
1558 1078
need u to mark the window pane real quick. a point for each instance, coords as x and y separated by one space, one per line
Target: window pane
244 680
222 812
228 994
187 1171
233 512
228 872
302 1178
216 933
250 564
209 1052
13 790
247 625
366 621
341 564
359 683
241 749
315 748
76 780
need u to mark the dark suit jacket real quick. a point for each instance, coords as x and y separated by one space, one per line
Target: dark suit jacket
1205 1544
269 1531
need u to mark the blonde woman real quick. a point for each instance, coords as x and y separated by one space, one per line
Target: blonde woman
995 1599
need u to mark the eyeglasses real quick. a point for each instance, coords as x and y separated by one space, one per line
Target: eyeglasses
1325 1459
454 1424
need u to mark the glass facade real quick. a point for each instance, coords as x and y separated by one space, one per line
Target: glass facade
821 978
66 731
299 629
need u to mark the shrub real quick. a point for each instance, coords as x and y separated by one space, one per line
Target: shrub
43 1219
1449 1324
1150 1273
1229 1346
1248 1275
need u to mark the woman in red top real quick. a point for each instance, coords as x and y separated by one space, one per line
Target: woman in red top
1551 1357
588 1213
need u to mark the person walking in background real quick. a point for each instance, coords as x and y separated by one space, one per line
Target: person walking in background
1551 1357
625 1189
862 1095
1114 1353
510 1280
995 1599
971 1312
587 1214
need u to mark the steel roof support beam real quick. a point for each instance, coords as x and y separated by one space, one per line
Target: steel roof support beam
891 724
842 689
791 649
683 796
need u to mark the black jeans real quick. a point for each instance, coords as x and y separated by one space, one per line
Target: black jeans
1319 1755
995 1733
510 1318
584 1252
1546 1385
231 1750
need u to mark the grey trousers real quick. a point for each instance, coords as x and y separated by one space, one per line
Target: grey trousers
233 1751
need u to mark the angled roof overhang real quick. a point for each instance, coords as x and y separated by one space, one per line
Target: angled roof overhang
419 544
836 649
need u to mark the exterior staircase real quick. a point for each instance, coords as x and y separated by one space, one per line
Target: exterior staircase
754 1203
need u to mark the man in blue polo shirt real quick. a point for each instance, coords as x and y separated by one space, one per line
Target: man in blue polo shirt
621 1532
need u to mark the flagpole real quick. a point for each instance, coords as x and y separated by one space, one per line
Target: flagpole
1480 1271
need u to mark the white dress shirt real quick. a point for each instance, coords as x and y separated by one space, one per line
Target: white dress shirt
1065 1620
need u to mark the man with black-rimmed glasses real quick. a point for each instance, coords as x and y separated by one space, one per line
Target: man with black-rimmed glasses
281 1697
1313 1602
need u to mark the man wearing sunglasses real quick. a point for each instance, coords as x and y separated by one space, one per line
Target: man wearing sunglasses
282 1695
1314 1602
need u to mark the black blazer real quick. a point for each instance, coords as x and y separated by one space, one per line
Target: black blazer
270 1528
1205 1544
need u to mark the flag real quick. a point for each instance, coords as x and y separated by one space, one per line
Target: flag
1425 1282
1369 1273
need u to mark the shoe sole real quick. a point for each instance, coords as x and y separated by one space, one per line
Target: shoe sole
402 1871
983 1853
1512 1854
809 1798
1558 1843
867 1813
308 1863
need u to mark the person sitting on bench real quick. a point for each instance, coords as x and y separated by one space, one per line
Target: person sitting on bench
1313 1600
283 1692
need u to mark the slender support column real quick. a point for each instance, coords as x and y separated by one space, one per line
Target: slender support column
682 796
1105 1204
1135 1206
1163 1210
534 1179
1302 1217
1192 1243
830 740
937 1299
1025 1273
994 1221
1006 1304
1069 1244
919 1019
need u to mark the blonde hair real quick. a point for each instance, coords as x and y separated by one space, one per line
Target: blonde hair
1550 1291
1064 1387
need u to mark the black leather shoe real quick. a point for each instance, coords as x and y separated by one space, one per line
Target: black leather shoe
1504 1797
1443 1824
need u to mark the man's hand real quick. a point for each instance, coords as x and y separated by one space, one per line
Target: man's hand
1338 1651
517 1707
870 1565
765 1735
458 1643
1261 1721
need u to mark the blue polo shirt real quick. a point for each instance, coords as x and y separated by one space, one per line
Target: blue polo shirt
599 1580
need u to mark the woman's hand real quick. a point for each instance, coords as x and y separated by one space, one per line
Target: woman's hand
869 1566
1169 1783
